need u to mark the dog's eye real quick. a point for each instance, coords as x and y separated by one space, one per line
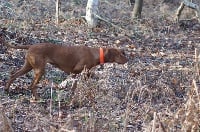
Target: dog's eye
123 53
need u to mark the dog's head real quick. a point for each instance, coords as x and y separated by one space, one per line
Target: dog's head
115 55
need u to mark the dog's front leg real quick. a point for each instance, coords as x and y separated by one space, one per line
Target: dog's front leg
78 68
37 76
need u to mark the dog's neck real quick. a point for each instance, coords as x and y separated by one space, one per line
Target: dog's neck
99 55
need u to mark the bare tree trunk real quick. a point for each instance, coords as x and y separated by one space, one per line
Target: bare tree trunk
91 12
137 10
57 11
190 5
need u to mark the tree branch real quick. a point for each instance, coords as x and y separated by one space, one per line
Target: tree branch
190 5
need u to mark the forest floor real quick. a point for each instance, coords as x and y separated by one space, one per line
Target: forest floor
157 90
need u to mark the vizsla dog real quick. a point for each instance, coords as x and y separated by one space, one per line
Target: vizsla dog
70 59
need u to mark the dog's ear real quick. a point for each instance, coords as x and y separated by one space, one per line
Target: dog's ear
122 51
115 55
109 54
106 52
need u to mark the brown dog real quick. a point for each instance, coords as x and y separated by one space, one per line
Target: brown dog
70 59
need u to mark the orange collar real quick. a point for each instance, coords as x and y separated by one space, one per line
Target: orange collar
101 55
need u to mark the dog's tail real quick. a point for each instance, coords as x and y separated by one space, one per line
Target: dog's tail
17 46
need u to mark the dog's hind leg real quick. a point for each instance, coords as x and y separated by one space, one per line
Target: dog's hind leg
26 68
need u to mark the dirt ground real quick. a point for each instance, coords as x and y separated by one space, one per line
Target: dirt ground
157 90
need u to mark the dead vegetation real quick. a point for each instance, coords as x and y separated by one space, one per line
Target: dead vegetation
158 90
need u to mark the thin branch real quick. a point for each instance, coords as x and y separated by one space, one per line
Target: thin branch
190 5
